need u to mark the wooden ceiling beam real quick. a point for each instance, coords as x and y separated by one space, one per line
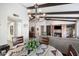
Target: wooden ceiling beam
63 12
47 5
61 20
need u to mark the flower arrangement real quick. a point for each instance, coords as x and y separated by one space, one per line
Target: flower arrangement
32 44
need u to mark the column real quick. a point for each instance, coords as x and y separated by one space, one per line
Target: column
77 29
15 29
64 31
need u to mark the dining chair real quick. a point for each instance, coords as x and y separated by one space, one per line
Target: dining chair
45 40
71 51
18 40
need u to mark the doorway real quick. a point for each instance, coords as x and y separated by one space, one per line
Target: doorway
14 30
10 33
32 32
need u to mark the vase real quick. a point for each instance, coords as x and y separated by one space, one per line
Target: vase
29 51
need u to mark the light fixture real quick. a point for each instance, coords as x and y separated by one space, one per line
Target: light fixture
29 11
44 14
38 13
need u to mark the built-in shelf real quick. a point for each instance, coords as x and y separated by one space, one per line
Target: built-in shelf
57 32
62 30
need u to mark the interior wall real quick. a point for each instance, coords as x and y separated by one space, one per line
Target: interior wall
19 29
8 9
77 29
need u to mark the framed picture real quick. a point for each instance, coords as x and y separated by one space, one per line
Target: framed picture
11 29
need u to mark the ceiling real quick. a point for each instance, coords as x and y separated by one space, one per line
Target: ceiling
57 10
30 4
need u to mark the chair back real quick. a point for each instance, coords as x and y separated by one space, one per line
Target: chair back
71 51
18 40
45 40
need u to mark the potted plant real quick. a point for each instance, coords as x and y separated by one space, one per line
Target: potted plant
32 44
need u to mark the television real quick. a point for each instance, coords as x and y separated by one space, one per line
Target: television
57 27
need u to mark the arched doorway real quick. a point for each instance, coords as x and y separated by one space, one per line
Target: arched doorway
14 29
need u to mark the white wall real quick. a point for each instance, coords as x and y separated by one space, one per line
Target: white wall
77 28
7 9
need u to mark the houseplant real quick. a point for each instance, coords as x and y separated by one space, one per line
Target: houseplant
31 45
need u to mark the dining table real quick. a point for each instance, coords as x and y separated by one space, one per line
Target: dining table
49 51
42 50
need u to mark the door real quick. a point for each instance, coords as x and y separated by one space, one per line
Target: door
10 33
